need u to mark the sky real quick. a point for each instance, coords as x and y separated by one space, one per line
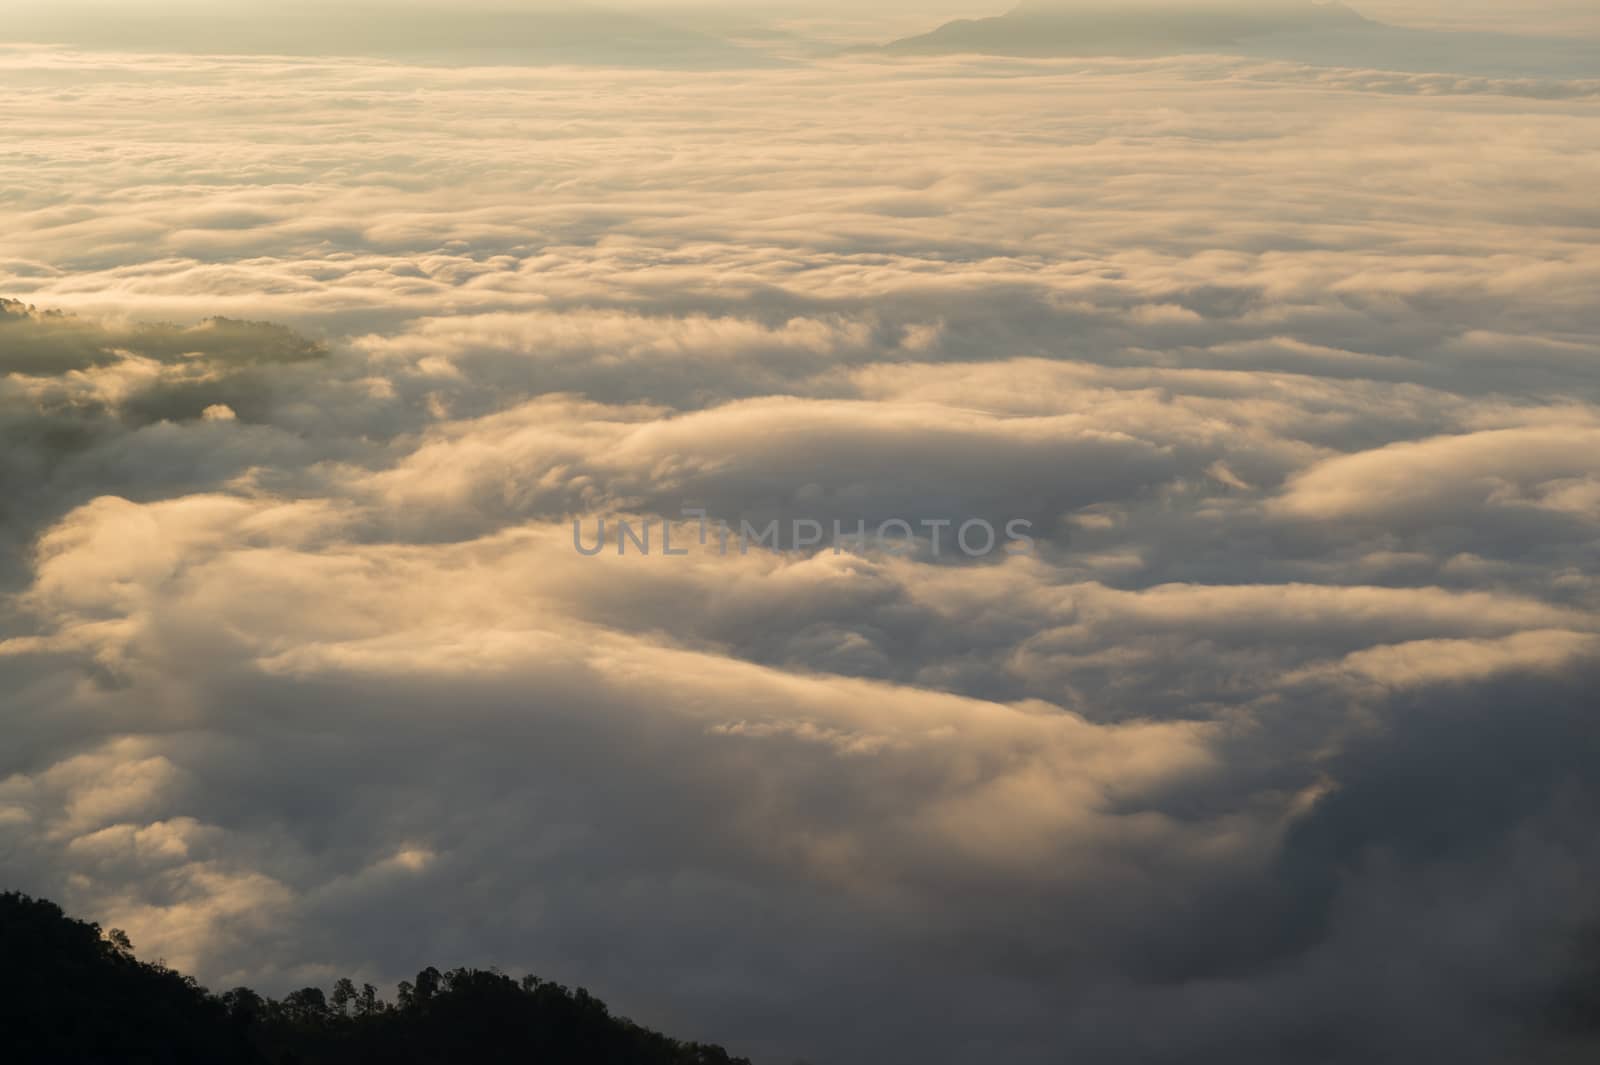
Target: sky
832 19
1276 743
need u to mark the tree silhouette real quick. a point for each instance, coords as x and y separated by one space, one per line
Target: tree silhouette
72 995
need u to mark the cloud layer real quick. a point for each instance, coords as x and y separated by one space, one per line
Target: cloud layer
1277 747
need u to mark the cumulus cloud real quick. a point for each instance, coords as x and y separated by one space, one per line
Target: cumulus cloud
1276 745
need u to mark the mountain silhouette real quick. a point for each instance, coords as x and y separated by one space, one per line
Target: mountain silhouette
1140 28
1302 31
71 994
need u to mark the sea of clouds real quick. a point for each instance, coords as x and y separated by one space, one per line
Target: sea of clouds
1280 746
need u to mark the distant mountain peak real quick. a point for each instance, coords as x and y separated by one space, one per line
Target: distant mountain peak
1065 27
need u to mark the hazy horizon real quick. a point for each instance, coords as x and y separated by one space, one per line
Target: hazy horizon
833 19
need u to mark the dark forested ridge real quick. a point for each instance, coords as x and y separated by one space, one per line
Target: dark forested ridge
73 995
